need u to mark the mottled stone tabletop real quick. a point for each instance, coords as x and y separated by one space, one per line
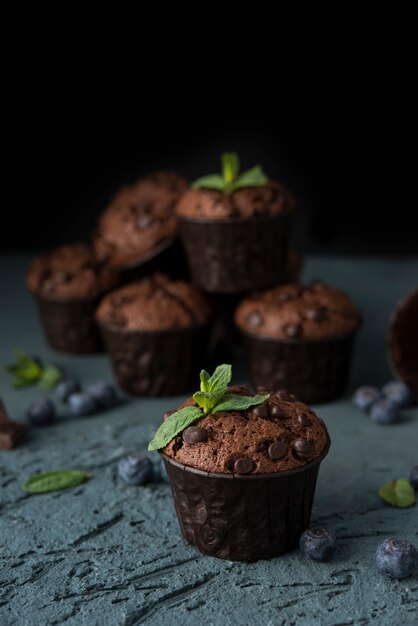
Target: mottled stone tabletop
108 554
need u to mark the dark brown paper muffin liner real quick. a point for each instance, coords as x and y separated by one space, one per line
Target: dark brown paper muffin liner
160 363
243 518
402 341
313 370
167 257
235 255
70 325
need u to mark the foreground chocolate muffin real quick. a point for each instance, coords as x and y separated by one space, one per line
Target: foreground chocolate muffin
300 338
67 284
156 332
140 224
235 229
243 481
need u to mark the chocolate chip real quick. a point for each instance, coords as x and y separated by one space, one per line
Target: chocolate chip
277 412
262 411
243 465
11 433
282 394
317 314
144 221
254 319
195 434
277 450
293 330
178 443
302 420
263 445
303 448
167 414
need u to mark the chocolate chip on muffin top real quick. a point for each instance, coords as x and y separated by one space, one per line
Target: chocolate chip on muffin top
269 199
276 436
70 272
154 303
139 217
294 312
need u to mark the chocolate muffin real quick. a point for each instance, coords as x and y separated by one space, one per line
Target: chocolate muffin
67 284
156 331
140 224
243 482
300 338
236 239
402 341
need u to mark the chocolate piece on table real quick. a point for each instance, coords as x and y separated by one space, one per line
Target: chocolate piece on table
11 433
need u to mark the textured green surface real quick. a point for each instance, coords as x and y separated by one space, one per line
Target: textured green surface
104 553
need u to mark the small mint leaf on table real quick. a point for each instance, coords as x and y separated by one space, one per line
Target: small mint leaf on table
25 371
232 402
50 377
399 493
46 482
175 424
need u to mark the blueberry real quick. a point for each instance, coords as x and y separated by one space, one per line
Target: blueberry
318 544
41 412
413 477
136 470
398 393
104 394
384 412
365 396
397 558
65 388
82 403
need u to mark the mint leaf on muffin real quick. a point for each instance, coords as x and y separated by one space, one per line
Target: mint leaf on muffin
231 179
212 398
398 493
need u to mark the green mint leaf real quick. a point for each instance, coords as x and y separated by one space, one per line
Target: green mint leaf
254 177
204 380
398 493
220 379
207 400
212 181
232 402
55 481
26 371
175 424
51 375
230 168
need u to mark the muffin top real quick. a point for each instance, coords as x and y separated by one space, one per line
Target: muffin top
278 435
139 217
70 272
247 202
154 303
295 312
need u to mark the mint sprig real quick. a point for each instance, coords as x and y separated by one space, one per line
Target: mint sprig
28 371
55 481
212 398
231 179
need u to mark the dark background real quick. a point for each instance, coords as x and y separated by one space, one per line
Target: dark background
77 126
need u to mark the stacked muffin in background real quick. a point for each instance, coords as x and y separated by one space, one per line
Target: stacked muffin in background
168 316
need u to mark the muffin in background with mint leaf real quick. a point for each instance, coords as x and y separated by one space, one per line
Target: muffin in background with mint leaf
137 231
67 284
242 467
156 332
234 227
